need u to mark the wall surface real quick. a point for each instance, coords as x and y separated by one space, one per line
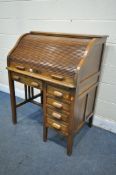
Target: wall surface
72 16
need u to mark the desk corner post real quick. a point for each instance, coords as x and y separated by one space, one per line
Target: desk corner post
45 128
12 98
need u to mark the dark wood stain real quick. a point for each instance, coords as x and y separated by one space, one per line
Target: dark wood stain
66 69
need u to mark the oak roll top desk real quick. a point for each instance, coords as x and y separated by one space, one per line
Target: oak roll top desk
66 69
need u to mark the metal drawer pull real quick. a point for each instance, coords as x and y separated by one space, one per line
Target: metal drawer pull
56 126
15 77
58 94
56 115
57 77
35 84
20 67
57 105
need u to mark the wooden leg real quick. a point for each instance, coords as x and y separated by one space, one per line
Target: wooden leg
32 91
12 98
91 118
25 87
29 92
69 144
90 121
45 133
42 97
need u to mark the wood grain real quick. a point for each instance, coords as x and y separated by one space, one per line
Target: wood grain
66 68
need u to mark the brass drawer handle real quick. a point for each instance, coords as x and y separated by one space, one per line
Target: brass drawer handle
57 105
20 67
35 84
15 77
56 115
58 94
56 126
57 77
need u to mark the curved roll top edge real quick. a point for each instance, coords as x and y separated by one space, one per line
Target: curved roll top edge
88 44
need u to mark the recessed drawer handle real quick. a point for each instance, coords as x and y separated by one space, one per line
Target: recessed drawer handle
35 84
58 94
15 77
56 126
56 115
57 77
57 105
20 67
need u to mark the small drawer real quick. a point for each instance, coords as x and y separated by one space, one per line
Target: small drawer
56 115
58 126
58 105
27 80
59 93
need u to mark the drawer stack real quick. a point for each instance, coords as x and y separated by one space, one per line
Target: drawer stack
58 102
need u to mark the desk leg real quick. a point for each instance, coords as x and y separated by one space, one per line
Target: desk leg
43 101
91 118
69 144
90 121
45 133
25 88
12 98
42 98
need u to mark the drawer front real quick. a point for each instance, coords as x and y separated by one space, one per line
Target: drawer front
56 115
27 80
58 105
58 126
59 93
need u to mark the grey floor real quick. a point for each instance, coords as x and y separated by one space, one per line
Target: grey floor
22 151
